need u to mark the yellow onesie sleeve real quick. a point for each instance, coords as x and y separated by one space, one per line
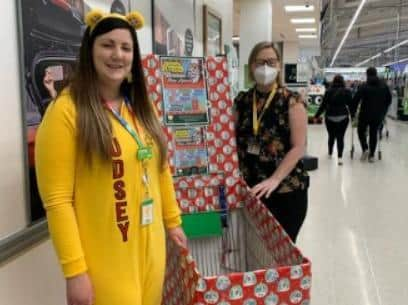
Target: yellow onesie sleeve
171 211
55 154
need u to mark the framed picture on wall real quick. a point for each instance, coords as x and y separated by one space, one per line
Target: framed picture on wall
212 29
173 27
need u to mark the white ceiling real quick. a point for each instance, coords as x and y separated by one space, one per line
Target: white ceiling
284 30
381 24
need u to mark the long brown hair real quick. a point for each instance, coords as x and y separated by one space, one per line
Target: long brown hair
254 53
94 126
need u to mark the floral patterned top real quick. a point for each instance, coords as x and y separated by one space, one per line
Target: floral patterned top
274 139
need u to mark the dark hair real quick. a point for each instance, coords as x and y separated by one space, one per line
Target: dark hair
94 127
338 82
371 72
372 78
118 7
254 53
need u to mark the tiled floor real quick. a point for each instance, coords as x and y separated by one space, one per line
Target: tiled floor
356 229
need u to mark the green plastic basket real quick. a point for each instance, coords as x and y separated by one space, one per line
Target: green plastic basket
199 225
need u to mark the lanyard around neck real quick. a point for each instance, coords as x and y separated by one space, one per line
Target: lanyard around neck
123 122
255 120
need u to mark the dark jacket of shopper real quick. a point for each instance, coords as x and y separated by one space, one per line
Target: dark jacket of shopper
336 102
375 98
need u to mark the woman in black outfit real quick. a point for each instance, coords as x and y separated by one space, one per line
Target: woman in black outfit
336 103
271 135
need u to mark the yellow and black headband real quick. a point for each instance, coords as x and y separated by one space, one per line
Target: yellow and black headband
135 19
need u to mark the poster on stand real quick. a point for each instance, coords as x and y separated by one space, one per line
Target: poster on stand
191 155
184 91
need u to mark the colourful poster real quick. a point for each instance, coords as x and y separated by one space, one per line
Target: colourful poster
184 91
191 155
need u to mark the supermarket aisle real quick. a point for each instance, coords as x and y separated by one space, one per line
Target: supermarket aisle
356 229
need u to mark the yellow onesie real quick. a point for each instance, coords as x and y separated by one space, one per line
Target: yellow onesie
94 213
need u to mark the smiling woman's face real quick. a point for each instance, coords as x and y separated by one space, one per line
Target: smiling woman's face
113 56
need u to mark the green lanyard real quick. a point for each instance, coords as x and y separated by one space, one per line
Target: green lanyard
144 152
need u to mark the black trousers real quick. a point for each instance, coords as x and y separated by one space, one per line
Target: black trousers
373 127
289 209
336 131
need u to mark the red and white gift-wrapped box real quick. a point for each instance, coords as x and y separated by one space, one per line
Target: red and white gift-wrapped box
254 262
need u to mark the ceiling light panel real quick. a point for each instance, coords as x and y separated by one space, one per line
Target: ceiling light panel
396 46
303 20
307 36
299 8
353 20
306 30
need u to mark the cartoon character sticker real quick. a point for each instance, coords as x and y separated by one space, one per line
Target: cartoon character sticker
249 279
250 302
261 290
296 272
296 296
284 285
223 283
306 283
236 293
211 297
271 299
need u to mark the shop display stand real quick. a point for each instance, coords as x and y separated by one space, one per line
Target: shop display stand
249 259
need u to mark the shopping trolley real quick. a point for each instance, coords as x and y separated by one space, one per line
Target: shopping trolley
380 139
384 125
352 150
246 257
253 259
353 124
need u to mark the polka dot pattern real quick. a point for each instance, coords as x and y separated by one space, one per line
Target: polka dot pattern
289 282
223 159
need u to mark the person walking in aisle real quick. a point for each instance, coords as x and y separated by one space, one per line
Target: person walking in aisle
336 103
102 171
375 98
271 125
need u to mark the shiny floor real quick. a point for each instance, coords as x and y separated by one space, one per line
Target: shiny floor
356 229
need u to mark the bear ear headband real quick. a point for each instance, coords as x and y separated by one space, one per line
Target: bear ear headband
135 19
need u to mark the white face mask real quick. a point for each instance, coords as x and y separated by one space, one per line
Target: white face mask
265 75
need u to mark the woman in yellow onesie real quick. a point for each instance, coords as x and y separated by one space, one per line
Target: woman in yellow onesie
102 173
